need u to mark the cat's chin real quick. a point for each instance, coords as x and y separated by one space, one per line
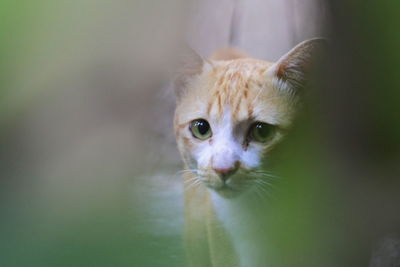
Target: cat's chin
227 192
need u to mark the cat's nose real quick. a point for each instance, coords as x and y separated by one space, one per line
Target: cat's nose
225 173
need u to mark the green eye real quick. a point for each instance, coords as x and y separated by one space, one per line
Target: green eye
261 132
200 129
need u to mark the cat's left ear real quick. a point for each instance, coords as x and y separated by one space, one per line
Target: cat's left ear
191 65
291 70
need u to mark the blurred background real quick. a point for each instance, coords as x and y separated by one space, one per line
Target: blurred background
88 164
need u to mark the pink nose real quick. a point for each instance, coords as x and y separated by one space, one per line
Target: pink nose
225 173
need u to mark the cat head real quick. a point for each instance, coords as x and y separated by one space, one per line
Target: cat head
231 113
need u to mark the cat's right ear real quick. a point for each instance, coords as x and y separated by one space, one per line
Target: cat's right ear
191 65
291 71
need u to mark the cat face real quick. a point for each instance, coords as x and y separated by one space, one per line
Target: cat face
230 114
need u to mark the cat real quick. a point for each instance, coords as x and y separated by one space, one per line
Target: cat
231 111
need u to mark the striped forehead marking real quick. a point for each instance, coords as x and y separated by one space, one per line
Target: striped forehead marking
232 88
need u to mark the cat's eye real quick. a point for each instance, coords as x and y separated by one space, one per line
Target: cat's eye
200 129
261 132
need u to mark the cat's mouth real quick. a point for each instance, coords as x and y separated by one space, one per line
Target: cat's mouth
234 185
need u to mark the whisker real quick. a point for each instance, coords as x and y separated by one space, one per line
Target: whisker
186 171
195 184
270 191
191 179
264 189
195 181
260 191
264 176
270 187
266 183
263 173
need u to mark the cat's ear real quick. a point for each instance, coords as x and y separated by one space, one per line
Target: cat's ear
291 70
191 65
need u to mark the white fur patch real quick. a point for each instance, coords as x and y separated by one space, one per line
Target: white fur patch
225 150
243 226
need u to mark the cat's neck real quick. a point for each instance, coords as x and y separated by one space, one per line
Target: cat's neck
242 222
233 222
